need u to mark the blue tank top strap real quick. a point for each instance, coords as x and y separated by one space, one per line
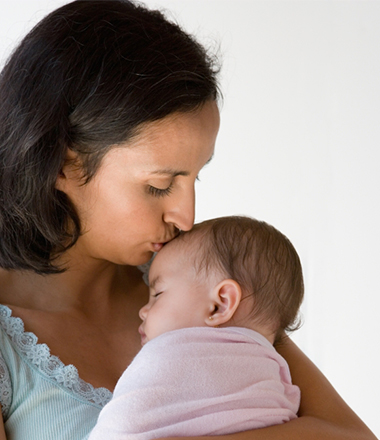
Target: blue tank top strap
41 397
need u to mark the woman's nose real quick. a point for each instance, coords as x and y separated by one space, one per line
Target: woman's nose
181 211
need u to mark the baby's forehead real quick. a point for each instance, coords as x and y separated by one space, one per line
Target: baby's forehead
182 250
183 245
185 249
189 243
173 260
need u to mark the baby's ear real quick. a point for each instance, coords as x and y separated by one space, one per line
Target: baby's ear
226 298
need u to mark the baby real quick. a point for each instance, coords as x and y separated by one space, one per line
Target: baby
220 296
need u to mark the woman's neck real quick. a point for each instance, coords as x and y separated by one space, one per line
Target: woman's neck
89 319
81 286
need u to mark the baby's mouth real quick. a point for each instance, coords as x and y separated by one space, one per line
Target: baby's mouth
143 336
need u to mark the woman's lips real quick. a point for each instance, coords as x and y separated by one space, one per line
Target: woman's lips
157 246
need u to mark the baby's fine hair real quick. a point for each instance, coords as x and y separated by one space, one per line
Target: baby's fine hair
86 78
260 259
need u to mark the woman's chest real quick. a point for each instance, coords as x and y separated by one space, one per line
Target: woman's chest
96 333
99 351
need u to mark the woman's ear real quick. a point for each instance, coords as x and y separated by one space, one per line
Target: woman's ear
226 298
69 172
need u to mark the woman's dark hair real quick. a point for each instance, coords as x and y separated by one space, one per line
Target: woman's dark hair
260 259
85 78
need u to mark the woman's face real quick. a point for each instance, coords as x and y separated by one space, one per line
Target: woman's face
144 190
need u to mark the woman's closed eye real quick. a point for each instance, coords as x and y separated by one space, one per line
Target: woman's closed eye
160 192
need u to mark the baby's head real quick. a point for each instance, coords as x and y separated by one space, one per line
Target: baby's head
229 271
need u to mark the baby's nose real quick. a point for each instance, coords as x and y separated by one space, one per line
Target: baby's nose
143 311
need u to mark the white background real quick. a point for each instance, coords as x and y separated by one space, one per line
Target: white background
299 148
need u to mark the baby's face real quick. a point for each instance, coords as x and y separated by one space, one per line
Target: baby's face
178 298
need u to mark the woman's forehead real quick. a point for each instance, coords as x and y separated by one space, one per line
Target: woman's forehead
204 121
172 146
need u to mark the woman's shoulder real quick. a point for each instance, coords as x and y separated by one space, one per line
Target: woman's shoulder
7 287
4 281
35 386
20 347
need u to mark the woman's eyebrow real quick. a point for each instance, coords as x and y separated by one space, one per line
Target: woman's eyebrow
173 173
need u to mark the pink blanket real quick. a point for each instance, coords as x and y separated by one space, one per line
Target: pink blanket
200 381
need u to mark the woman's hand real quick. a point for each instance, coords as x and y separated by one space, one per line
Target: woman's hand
323 414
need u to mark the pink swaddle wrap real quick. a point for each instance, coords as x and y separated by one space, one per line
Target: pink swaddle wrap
200 381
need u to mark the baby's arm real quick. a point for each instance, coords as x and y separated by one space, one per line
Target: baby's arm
323 413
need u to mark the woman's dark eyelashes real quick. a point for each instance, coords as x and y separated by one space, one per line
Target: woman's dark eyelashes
157 192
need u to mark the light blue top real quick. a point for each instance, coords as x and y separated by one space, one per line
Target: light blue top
41 398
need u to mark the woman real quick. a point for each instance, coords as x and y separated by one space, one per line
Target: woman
108 114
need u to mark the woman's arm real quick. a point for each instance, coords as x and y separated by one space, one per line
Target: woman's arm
323 413
2 430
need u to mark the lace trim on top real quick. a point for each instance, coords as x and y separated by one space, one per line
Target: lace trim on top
5 387
49 365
